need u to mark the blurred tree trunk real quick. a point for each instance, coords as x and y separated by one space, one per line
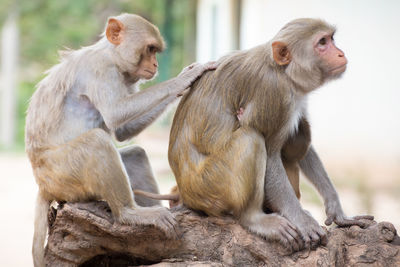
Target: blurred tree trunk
189 37
8 85
84 234
165 58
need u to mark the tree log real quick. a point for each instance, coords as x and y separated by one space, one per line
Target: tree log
85 234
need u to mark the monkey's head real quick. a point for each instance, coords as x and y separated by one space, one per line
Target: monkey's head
135 43
307 51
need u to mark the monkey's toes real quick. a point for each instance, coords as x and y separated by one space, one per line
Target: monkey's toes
167 224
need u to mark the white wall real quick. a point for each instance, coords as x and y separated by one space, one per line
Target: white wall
8 80
214 29
357 116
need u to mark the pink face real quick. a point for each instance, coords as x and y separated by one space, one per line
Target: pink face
148 64
333 59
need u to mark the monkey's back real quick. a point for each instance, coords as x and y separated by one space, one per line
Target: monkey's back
203 127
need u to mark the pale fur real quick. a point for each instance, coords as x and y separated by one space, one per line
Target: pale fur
298 113
90 95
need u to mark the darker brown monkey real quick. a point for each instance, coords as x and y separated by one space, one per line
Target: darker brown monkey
242 134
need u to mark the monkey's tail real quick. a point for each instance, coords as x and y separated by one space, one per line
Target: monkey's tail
173 197
40 230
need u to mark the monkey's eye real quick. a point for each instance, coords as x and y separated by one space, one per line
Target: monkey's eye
152 49
322 41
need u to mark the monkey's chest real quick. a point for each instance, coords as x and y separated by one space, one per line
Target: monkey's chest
298 110
287 124
293 122
80 115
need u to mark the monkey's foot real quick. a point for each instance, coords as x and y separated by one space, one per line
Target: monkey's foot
158 217
274 227
311 232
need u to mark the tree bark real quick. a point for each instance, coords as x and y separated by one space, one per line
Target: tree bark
84 234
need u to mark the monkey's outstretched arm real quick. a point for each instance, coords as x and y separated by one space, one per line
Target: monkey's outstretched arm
117 107
134 127
137 125
313 169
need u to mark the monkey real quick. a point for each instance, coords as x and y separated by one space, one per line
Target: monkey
84 101
243 155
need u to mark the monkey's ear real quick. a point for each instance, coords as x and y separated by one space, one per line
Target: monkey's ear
281 53
114 31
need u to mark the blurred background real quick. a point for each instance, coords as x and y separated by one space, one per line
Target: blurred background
355 120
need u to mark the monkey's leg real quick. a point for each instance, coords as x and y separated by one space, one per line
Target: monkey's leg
90 167
232 180
280 197
140 174
251 167
293 172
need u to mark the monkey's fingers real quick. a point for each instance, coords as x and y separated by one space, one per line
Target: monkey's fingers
211 65
357 220
168 226
349 222
184 92
164 220
293 231
289 242
191 66
307 240
364 217
171 229
294 239
329 220
323 236
315 239
187 68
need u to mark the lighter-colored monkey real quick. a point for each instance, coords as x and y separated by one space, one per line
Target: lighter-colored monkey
242 133
89 96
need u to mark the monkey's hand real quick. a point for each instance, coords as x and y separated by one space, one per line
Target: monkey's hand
311 232
158 217
335 214
191 73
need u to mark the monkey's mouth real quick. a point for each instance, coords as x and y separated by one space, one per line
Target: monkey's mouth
339 69
150 72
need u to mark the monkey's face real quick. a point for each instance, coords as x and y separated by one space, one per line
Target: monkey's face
333 61
148 64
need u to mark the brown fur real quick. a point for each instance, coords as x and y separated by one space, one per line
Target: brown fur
237 83
234 134
293 151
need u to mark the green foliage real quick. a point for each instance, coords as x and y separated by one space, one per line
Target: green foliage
47 26
25 91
